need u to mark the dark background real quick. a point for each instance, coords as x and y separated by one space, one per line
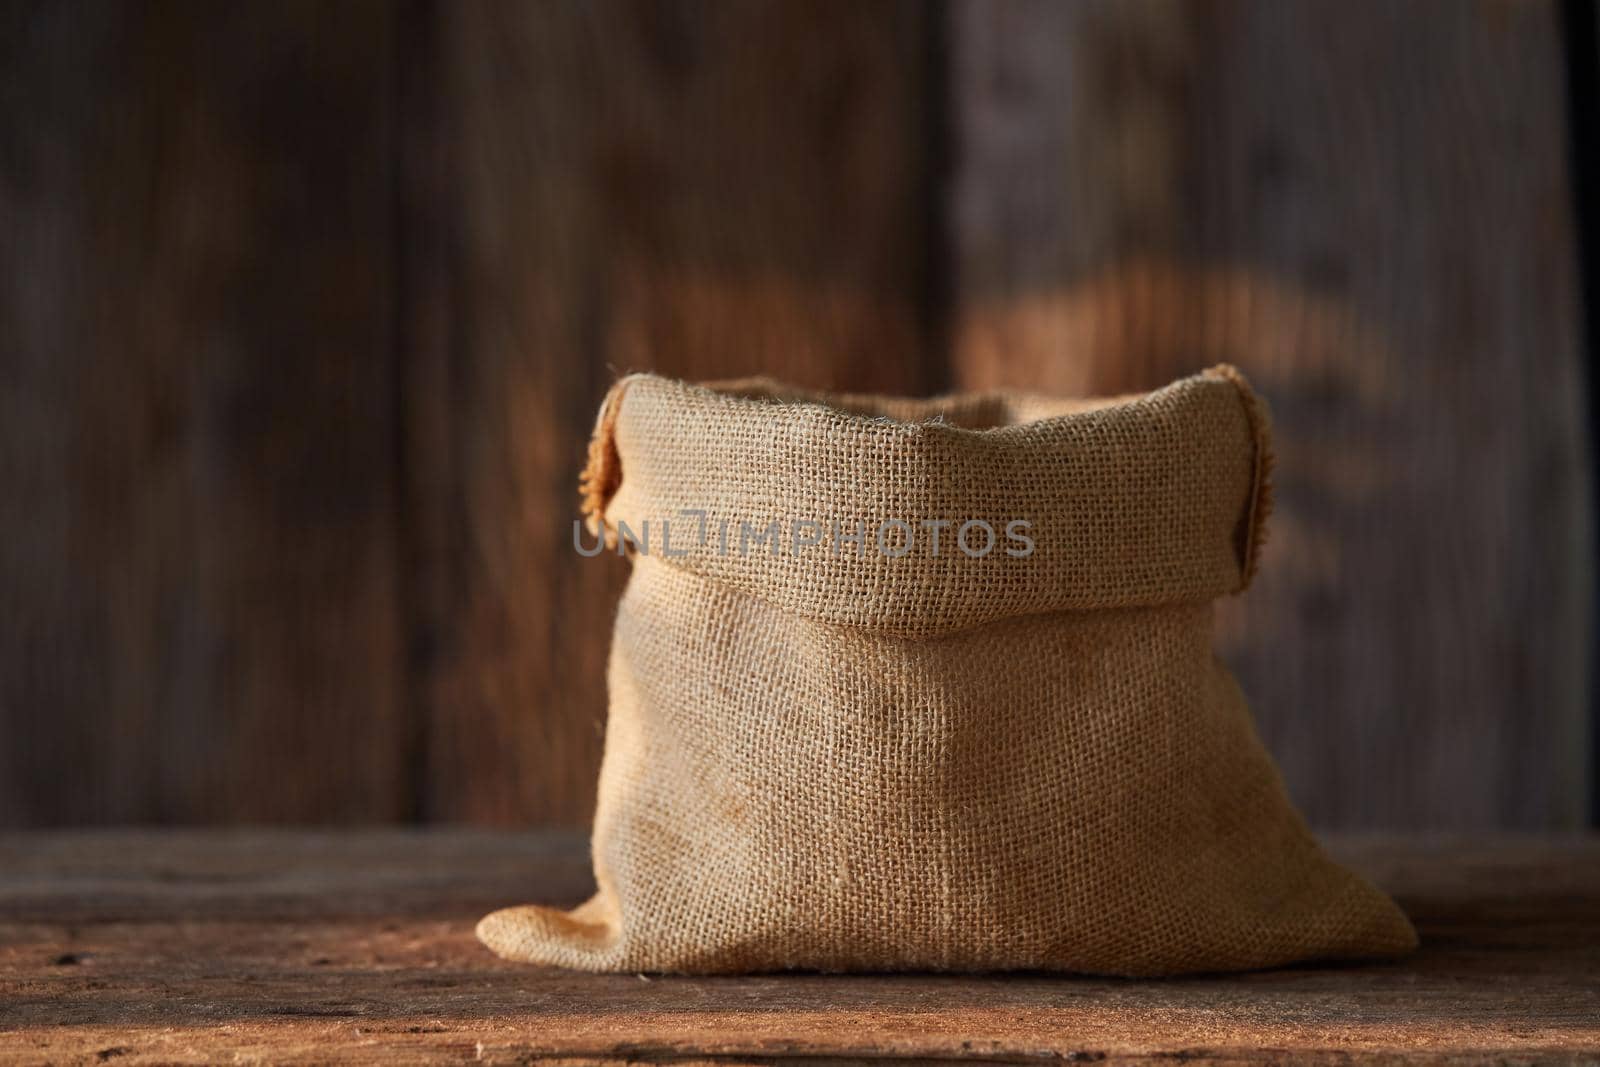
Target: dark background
305 309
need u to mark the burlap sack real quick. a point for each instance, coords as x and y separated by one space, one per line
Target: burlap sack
841 758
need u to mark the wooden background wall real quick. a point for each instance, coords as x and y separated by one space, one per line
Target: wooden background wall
305 309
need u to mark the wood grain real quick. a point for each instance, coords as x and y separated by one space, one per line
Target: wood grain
197 478
341 947
1368 209
305 311
702 190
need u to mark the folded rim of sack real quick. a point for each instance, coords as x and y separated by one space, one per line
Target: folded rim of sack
848 509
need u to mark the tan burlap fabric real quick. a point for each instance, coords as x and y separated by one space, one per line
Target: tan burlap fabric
824 759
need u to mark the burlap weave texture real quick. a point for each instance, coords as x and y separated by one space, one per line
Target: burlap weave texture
835 758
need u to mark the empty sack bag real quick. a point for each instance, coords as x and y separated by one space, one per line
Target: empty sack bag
928 685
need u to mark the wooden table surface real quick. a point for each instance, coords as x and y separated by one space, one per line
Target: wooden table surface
327 946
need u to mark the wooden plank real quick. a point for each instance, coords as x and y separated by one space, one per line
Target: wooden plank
702 190
198 947
196 416
1367 208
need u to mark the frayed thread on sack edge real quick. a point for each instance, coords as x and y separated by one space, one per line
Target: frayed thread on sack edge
1255 528
602 471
